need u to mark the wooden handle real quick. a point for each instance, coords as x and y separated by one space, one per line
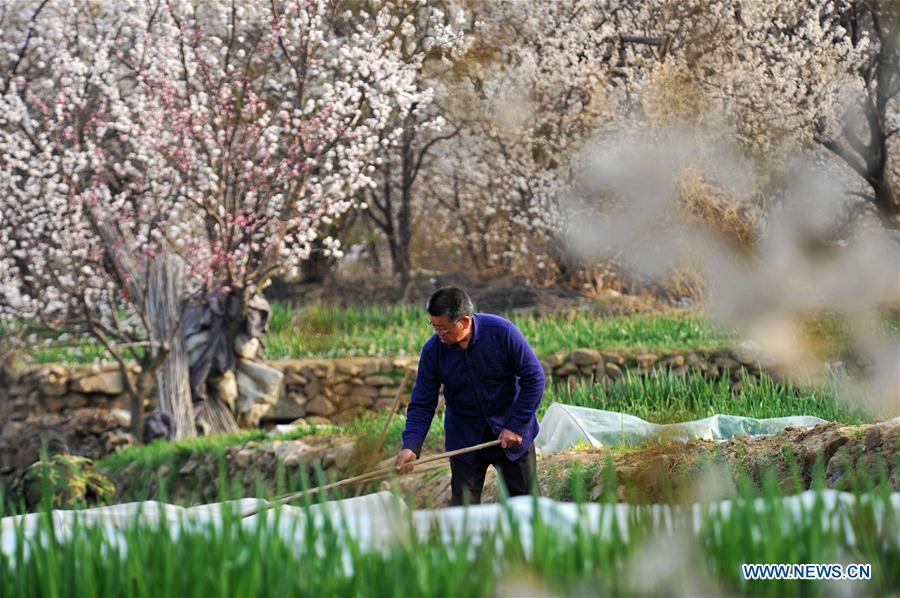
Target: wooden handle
387 422
368 477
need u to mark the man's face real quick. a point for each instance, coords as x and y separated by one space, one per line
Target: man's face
449 332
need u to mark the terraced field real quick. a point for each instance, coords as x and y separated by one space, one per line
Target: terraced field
697 551
323 331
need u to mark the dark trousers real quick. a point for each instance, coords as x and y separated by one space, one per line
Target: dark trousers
467 479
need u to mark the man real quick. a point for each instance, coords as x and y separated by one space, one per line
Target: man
493 384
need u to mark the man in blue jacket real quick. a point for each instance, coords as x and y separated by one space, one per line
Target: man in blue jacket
493 384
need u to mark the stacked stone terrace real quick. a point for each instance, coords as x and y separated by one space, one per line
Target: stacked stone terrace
337 390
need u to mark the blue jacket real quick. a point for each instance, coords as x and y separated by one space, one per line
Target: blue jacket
497 382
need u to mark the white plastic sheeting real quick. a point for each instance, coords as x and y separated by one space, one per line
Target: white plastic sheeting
365 518
565 426
376 521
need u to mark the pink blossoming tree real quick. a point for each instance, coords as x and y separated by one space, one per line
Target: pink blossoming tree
220 135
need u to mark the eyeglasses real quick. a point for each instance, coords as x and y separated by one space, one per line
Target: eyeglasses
443 330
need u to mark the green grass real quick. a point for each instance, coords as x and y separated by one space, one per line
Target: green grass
160 452
277 558
159 463
664 398
327 332
85 350
140 469
365 429
322 331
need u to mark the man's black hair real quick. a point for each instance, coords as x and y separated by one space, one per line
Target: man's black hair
450 302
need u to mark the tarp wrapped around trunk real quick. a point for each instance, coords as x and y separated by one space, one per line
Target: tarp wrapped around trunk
239 382
258 387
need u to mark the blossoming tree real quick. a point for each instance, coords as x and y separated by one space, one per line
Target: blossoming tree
540 80
218 134
797 75
437 30
818 78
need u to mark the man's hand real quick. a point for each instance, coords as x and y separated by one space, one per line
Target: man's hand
404 461
509 439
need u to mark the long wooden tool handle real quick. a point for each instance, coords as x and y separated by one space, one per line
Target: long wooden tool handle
457 452
387 422
368 477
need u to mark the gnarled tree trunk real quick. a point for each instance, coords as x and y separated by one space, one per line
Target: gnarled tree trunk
164 302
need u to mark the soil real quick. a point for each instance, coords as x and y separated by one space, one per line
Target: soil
503 294
90 433
850 457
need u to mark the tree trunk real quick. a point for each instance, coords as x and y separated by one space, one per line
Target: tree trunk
164 299
886 198
372 247
886 18
137 400
214 416
404 214
317 267
401 262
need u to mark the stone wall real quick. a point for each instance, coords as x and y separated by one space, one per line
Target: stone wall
338 390
592 364
335 390
252 466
